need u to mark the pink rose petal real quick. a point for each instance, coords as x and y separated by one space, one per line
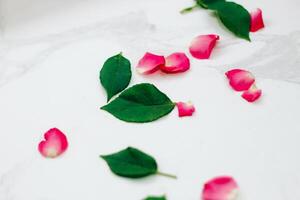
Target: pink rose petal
150 63
202 46
185 109
176 63
55 143
257 21
252 94
220 188
239 79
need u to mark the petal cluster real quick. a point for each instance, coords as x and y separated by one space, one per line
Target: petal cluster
175 63
202 46
178 62
242 80
220 188
257 21
185 109
55 143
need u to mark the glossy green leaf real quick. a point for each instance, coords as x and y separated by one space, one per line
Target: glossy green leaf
140 103
156 198
235 17
131 163
115 75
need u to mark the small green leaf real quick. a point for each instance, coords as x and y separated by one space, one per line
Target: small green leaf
115 75
140 103
131 163
156 198
235 17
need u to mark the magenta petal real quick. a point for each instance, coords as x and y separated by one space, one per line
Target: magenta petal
150 63
252 94
220 188
55 143
257 21
185 109
202 46
176 63
239 79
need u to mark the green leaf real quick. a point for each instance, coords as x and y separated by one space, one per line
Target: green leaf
235 17
156 198
115 75
140 103
131 163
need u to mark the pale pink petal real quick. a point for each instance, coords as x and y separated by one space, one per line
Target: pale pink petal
176 63
55 143
257 21
202 46
252 94
150 63
185 109
220 188
239 79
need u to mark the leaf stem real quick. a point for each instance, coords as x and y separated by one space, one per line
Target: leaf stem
166 175
189 9
201 4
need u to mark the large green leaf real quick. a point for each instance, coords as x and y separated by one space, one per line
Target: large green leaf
235 17
115 75
140 103
156 198
131 163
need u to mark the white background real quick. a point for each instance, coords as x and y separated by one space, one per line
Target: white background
50 56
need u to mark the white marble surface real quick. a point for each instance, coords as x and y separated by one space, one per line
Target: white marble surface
50 56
